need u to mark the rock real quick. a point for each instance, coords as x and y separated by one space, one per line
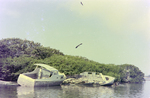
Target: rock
68 81
115 84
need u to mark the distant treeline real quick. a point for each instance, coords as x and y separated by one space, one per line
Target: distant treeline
19 56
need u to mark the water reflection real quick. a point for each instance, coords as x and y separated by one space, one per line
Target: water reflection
71 91
86 92
39 92
129 91
146 89
25 91
80 91
8 92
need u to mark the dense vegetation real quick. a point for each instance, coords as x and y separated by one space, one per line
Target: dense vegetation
18 56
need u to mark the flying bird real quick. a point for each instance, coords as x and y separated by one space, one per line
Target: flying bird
81 3
78 45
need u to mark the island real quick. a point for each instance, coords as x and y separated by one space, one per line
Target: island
18 56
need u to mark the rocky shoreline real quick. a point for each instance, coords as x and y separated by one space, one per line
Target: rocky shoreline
70 81
8 83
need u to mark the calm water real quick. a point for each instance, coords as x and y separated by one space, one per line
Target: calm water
73 91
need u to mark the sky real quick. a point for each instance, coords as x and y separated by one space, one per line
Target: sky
111 31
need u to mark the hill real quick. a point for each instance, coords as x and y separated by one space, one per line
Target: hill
18 56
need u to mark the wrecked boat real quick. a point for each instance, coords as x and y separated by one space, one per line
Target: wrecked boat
43 75
91 78
97 78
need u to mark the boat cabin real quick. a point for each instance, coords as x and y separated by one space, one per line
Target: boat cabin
42 71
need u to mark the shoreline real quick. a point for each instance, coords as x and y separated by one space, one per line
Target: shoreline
8 83
12 83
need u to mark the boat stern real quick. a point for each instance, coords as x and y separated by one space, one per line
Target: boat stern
24 80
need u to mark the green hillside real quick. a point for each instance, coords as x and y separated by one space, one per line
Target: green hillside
18 56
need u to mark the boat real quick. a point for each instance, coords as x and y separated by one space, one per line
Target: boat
43 75
108 80
97 78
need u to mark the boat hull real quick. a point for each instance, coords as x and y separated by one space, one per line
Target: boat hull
24 80
47 83
107 84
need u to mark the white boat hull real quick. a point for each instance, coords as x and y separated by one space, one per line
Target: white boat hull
24 80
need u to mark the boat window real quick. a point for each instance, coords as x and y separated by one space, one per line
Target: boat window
107 78
50 75
43 69
89 72
61 77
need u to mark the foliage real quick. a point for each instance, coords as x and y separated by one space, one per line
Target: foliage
44 52
136 75
15 47
12 67
18 56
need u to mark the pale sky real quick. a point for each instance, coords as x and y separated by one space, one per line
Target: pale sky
112 31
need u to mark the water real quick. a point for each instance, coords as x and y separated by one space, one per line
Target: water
73 91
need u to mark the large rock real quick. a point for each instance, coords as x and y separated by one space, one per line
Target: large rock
131 74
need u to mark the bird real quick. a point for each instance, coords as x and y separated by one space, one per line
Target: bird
81 3
78 45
